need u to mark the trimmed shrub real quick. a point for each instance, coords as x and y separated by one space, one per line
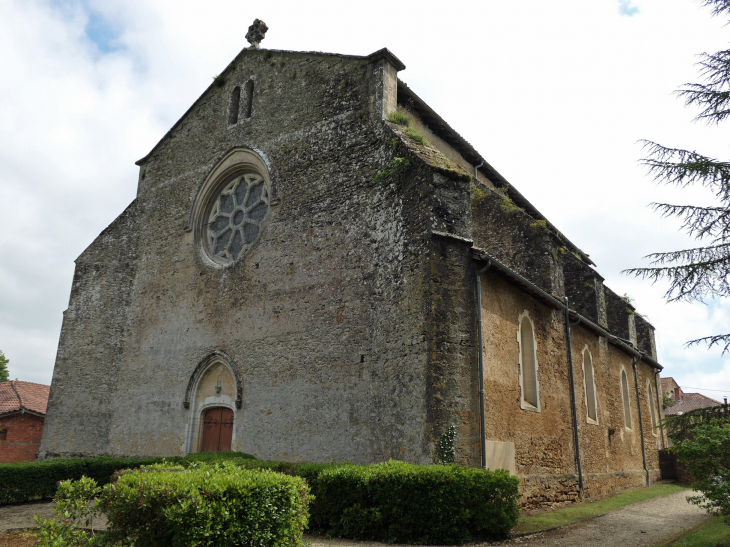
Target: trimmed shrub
399 502
394 501
74 512
30 481
218 504
404 503
102 468
217 456
307 471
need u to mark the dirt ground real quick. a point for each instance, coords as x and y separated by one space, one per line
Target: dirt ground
18 539
14 517
641 525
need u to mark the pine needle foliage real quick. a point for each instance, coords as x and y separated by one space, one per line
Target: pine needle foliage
702 272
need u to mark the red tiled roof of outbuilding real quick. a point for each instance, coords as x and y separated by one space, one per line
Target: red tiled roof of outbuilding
691 401
16 395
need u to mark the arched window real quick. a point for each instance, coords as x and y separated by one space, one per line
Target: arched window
249 98
589 387
625 398
528 364
234 105
652 409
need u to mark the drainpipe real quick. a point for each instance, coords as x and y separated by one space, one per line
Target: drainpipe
641 421
658 407
576 440
482 425
475 170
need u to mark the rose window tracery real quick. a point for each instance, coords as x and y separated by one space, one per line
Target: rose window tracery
236 217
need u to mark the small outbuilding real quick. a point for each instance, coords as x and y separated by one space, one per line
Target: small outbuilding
22 413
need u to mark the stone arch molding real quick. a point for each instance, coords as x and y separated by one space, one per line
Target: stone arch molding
528 362
625 398
215 382
589 385
202 368
234 163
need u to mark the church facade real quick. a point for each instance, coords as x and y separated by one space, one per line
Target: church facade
305 276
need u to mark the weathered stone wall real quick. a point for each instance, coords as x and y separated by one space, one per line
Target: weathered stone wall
611 453
584 289
91 346
350 326
325 319
516 239
645 335
617 310
435 139
452 373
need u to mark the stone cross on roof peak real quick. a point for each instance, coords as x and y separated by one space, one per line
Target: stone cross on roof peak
256 33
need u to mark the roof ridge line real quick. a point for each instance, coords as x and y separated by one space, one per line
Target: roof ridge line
20 399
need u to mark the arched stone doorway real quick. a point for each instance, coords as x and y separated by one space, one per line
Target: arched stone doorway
213 398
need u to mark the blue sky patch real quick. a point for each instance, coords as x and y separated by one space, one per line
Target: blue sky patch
101 31
626 8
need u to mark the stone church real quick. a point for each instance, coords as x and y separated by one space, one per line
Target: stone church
318 267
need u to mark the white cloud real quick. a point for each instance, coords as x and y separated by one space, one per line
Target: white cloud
555 95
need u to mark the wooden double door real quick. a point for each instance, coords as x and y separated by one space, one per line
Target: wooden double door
217 430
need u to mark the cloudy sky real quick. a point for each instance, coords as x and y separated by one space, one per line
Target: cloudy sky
554 94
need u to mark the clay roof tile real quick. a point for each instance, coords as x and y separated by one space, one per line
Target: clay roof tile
691 401
17 395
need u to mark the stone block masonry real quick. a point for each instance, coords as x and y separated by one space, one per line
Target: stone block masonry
340 322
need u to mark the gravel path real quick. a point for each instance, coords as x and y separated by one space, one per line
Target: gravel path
643 524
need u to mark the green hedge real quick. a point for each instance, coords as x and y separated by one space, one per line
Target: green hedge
206 505
167 505
211 457
394 501
30 481
400 502
404 503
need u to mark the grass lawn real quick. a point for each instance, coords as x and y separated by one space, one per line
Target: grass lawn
582 511
713 533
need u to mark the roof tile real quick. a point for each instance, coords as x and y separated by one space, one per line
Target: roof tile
16 395
691 401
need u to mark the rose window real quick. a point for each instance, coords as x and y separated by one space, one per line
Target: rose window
236 217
